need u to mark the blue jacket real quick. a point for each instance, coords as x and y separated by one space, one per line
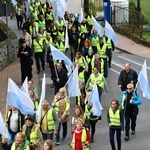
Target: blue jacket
136 101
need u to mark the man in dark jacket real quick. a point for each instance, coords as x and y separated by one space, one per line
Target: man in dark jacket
127 76
59 77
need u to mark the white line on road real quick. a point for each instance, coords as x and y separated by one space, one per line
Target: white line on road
114 71
116 64
132 61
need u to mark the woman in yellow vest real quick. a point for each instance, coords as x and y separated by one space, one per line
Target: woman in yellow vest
34 98
80 137
116 124
61 105
32 132
79 113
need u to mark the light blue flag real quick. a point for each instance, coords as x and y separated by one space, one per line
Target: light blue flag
14 2
57 55
94 99
24 87
38 113
18 99
109 32
28 9
97 26
73 84
143 81
52 1
3 130
58 13
80 19
62 5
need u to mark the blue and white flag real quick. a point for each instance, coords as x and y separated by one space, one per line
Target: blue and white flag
143 81
57 55
66 39
18 99
109 32
38 113
59 13
3 130
28 9
97 26
24 87
73 84
62 5
95 100
52 1
81 16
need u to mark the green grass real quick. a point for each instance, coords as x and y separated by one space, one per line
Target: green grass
145 9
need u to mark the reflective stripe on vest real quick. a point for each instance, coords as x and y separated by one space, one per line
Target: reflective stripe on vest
61 47
37 47
114 118
98 80
102 51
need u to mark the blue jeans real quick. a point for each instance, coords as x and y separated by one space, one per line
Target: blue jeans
12 135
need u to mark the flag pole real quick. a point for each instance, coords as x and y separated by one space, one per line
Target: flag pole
55 69
5 121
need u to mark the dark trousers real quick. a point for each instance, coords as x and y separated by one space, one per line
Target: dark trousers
19 21
93 125
105 68
118 137
99 92
47 136
127 124
64 134
39 57
109 55
94 48
26 71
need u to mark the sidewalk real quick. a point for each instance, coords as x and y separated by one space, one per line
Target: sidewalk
13 70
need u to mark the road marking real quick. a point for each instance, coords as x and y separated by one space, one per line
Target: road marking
117 65
132 61
114 71
48 80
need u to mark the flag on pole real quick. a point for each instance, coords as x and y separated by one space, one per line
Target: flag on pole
3 129
57 55
38 113
18 99
52 1
80 19
73 84
58 13
62 5
143 81
109 32
94 99
24 87
97 26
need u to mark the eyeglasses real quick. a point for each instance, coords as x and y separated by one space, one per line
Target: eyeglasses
129 88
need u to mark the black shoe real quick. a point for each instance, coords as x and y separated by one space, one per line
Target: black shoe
43 68
133 132
109 66
126 138
38 72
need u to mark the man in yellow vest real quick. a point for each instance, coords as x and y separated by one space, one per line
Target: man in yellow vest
116 123
100 81
102 50
32 132
110 48
38 49
49 122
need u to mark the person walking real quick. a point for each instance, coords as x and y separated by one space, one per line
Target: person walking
127 76
48 145
32 132
129 101
59 77
49 122
116 124
61 105
26 61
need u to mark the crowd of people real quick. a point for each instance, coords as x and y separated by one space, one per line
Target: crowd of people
92 54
